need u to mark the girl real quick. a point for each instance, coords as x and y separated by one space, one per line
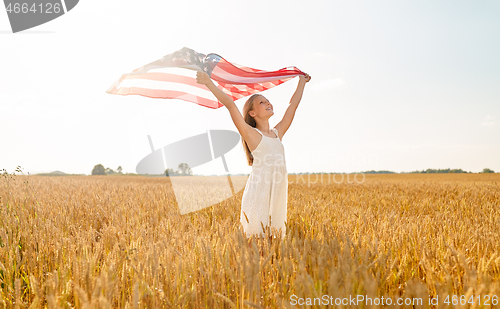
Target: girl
264 202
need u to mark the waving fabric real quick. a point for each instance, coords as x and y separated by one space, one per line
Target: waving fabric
174 77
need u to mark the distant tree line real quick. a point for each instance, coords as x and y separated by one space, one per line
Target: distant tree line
100 170
427 171
487 170
182 170
432 171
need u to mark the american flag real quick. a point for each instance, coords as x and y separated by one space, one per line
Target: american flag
174 77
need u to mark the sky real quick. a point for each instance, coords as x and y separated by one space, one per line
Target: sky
396 85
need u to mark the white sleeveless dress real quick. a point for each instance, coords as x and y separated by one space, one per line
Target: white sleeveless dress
266 192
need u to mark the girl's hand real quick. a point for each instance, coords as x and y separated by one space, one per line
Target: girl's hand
203 78
305 78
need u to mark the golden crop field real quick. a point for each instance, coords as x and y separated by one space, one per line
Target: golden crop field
120 242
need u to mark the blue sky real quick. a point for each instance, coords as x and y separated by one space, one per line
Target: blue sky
396 85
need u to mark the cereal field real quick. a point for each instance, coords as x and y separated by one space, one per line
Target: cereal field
120 242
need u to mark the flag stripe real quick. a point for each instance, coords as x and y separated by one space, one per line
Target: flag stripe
169 94
232 69
164 77
221 75
183 71
166 85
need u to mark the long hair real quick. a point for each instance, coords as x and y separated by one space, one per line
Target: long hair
251 121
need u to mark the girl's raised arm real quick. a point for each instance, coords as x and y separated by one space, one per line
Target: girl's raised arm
285 123
239 122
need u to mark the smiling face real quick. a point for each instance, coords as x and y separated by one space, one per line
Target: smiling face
262 108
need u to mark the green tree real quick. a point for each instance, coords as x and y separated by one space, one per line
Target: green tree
184 169
487 170
119 169
98 170
170 172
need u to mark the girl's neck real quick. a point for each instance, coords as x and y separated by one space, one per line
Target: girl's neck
263 127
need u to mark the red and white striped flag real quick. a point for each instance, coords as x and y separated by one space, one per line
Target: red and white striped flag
174 77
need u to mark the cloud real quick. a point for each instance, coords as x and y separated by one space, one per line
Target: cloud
328 84
488 121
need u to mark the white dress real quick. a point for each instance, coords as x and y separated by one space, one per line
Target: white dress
266 191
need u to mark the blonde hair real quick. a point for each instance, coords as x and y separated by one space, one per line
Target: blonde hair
250 121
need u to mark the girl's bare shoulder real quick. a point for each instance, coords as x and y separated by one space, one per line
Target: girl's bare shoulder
253 138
